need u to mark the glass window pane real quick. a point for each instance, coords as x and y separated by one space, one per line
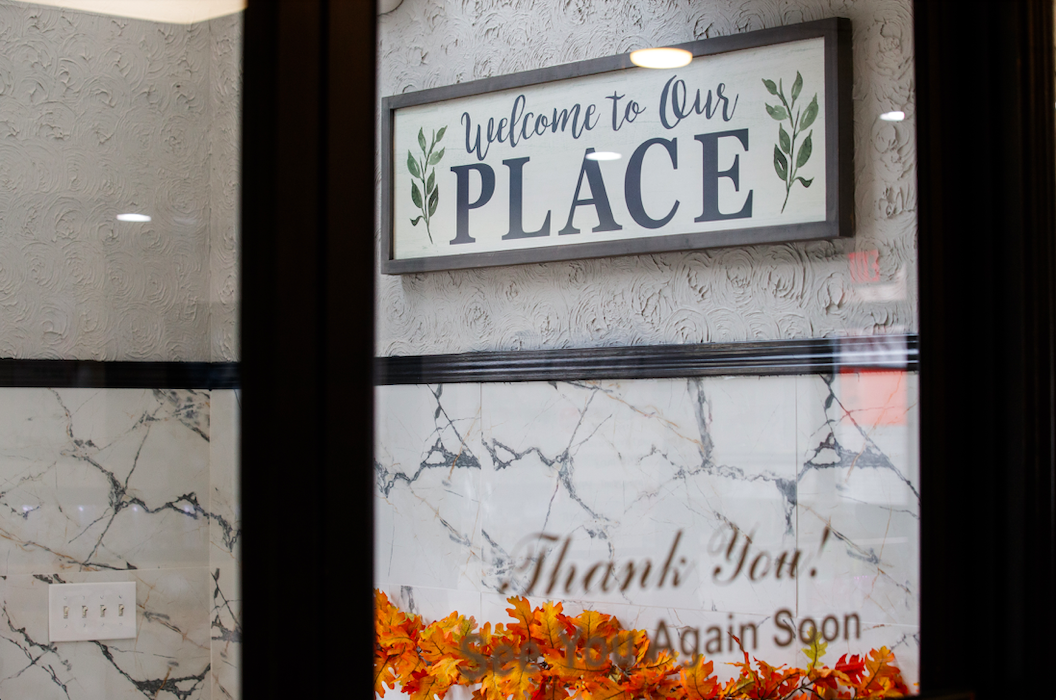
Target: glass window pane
119 197
764 506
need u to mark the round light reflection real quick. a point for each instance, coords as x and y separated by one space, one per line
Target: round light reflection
603 155
895 116
665 57
133 217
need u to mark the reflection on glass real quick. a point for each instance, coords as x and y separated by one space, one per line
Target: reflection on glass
119 242
661 58
690 509
705 514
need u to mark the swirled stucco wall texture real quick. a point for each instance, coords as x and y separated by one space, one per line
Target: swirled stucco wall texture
105 115
864 285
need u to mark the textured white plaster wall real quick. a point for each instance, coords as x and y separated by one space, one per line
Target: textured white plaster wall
225 139
761 292
103 115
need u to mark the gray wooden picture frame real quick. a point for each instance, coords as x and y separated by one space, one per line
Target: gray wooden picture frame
839 165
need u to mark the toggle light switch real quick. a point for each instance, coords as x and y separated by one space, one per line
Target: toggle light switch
86 611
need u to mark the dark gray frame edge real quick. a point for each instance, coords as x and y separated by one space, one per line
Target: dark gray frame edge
839 165
754 358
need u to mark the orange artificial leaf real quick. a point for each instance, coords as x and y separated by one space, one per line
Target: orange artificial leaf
446 669
491 688
389 621
699 680
438 639
883 678
592 623
426 686
383 674
550 689
522 679
522 613
550 627
406 664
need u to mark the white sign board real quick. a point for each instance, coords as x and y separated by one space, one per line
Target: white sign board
749 143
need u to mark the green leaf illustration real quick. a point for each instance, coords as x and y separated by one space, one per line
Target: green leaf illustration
804 152
780 164
790 156
782 138
427 196
809 116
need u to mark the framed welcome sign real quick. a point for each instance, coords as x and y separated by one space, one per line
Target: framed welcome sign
749 143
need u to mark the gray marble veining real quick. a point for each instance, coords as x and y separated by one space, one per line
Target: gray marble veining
121 485
704 503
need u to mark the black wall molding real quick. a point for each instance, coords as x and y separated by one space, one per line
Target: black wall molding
809 356
63 374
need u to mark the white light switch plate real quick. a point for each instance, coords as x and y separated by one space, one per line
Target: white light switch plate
80 612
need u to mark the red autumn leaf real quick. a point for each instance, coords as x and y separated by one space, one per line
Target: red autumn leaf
852 668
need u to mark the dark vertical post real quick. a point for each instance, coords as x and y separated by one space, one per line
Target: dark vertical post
349 348
307 343
985 120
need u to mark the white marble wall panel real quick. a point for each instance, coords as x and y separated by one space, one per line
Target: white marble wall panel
121 485
620 469
103 479
225 537
428 472
169 658
859 478
738 469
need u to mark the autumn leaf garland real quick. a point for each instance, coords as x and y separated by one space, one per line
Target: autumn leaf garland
547 655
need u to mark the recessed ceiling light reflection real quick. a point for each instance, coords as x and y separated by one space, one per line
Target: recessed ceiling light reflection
895 116
665 57
133 217
603 155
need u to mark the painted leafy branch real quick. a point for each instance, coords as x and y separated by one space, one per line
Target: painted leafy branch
543 654
427 196
787 160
